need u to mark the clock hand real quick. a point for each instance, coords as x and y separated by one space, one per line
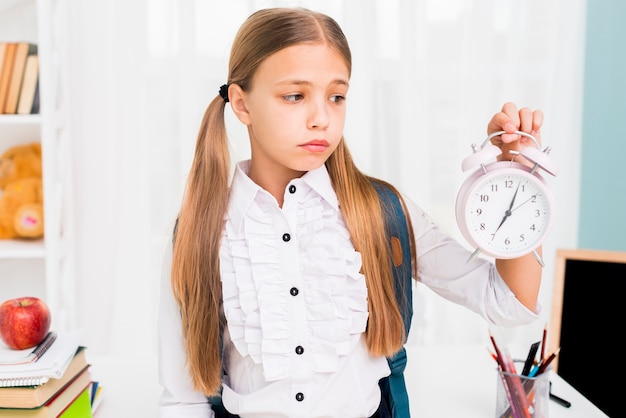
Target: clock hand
509 211
524 202
514 196
506 215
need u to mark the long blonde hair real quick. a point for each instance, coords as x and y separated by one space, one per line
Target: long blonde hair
196 269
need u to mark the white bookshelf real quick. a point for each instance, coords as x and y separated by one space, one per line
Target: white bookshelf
44 267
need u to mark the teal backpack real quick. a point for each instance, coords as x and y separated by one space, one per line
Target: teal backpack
393 387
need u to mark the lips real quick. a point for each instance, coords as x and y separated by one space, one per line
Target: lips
317 145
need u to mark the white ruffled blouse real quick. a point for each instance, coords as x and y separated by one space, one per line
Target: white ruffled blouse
296 306
290 270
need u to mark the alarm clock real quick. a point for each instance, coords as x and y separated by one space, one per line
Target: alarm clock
504 209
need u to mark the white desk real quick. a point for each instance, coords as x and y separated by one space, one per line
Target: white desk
443 381
130 386
460 381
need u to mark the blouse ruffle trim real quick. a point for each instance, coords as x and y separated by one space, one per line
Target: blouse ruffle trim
256 291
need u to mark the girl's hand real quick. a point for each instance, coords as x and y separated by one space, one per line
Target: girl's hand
510 119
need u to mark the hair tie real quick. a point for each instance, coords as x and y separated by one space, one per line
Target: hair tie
224 92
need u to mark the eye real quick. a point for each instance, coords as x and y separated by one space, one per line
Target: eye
337 98
292 97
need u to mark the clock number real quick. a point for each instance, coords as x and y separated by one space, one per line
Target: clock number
508 184
479 211
533 227
484 198
537 213
522 238
482 226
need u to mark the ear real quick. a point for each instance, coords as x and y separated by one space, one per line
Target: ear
237 99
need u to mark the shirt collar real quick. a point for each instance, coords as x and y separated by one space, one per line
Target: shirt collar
244 190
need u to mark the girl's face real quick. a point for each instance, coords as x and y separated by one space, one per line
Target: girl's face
295 111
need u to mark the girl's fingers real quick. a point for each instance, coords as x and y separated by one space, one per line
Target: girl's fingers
526 119
537 120
510 109
510 119
501 122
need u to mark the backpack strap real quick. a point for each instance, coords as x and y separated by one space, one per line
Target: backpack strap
393 387
397 229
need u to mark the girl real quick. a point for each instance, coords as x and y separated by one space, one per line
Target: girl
278 291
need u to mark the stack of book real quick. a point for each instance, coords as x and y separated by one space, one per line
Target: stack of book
51 380
19 78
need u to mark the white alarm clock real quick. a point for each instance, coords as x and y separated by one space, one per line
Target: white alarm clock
504 209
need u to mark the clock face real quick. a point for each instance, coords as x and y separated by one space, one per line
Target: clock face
505 212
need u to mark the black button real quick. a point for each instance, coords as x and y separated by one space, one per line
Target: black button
286 237
299 350
292 189
299 396
293 291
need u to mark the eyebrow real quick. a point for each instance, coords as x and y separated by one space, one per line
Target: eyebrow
340 81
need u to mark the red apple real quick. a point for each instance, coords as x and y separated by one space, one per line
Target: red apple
24 322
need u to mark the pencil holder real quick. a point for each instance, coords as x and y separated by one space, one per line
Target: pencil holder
521 396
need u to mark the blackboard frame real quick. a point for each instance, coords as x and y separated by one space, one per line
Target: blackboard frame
560 278
587 310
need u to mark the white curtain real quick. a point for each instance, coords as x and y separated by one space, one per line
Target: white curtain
427 76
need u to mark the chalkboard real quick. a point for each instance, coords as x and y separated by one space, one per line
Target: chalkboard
588 322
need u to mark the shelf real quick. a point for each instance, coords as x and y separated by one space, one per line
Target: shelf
42 267
22 249
19 129
20 119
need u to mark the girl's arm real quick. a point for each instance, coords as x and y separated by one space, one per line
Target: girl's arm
178 398
522 275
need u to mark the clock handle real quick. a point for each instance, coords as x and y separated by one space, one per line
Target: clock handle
534 155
